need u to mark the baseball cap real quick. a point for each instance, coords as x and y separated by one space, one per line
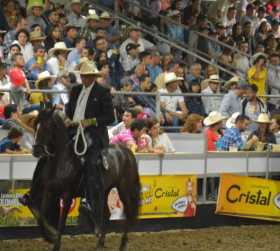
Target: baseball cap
131 46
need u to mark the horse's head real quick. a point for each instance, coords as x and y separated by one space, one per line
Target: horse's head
49 132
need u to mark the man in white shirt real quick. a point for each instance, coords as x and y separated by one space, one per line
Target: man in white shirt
91 105
134 38
173 107
212 103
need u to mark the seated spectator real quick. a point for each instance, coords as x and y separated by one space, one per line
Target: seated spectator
57 61
194 104
211 103
193 124
71 34
132 59
13 50
231 84
175 31
75 55
154 67
62 84
19 82
195 73
123 102
241 61
75 16
37 64
22 39
231 102
170 104
252 106
53 36
10 144
37 37
145 101
161 143
37 9
262 134
134 36
5 84
45 81
214 123
232 139
143 140
129 115
273 78
275 127
257 74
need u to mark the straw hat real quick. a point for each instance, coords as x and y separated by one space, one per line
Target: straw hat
214 78
36 36
263 118
231 121
43 76
89 68
173 13
75 1
213 118
35 3
92 15
171 77
59 46
233 80
105 15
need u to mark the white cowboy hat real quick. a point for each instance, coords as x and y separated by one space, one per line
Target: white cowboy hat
171 77
59 46
231 121
263 118
173 13
213 118
105 15
92 15
89 68
232 81
43 76
75 1
214 78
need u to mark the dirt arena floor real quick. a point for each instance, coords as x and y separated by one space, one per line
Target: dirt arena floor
247 238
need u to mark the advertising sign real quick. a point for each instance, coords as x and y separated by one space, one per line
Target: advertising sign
12 213
249 197
161 197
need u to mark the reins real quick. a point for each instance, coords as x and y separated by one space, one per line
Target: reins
80 132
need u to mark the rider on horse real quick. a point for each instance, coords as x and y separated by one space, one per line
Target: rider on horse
90 109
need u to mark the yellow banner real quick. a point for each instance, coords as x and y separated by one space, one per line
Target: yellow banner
168 196
249 197
161 197
13 213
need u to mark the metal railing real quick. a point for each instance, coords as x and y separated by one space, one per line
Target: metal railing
168 20
161 37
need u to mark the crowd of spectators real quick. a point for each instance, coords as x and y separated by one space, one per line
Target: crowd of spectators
43 44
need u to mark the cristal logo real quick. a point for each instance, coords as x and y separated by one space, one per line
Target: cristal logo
277 200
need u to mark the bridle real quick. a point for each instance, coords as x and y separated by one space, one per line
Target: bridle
46 152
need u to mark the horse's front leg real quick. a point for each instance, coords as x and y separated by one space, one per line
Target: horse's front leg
66 202
101 237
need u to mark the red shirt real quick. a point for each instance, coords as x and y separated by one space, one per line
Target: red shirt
212 138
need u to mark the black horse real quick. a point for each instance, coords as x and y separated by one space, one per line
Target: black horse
59 173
